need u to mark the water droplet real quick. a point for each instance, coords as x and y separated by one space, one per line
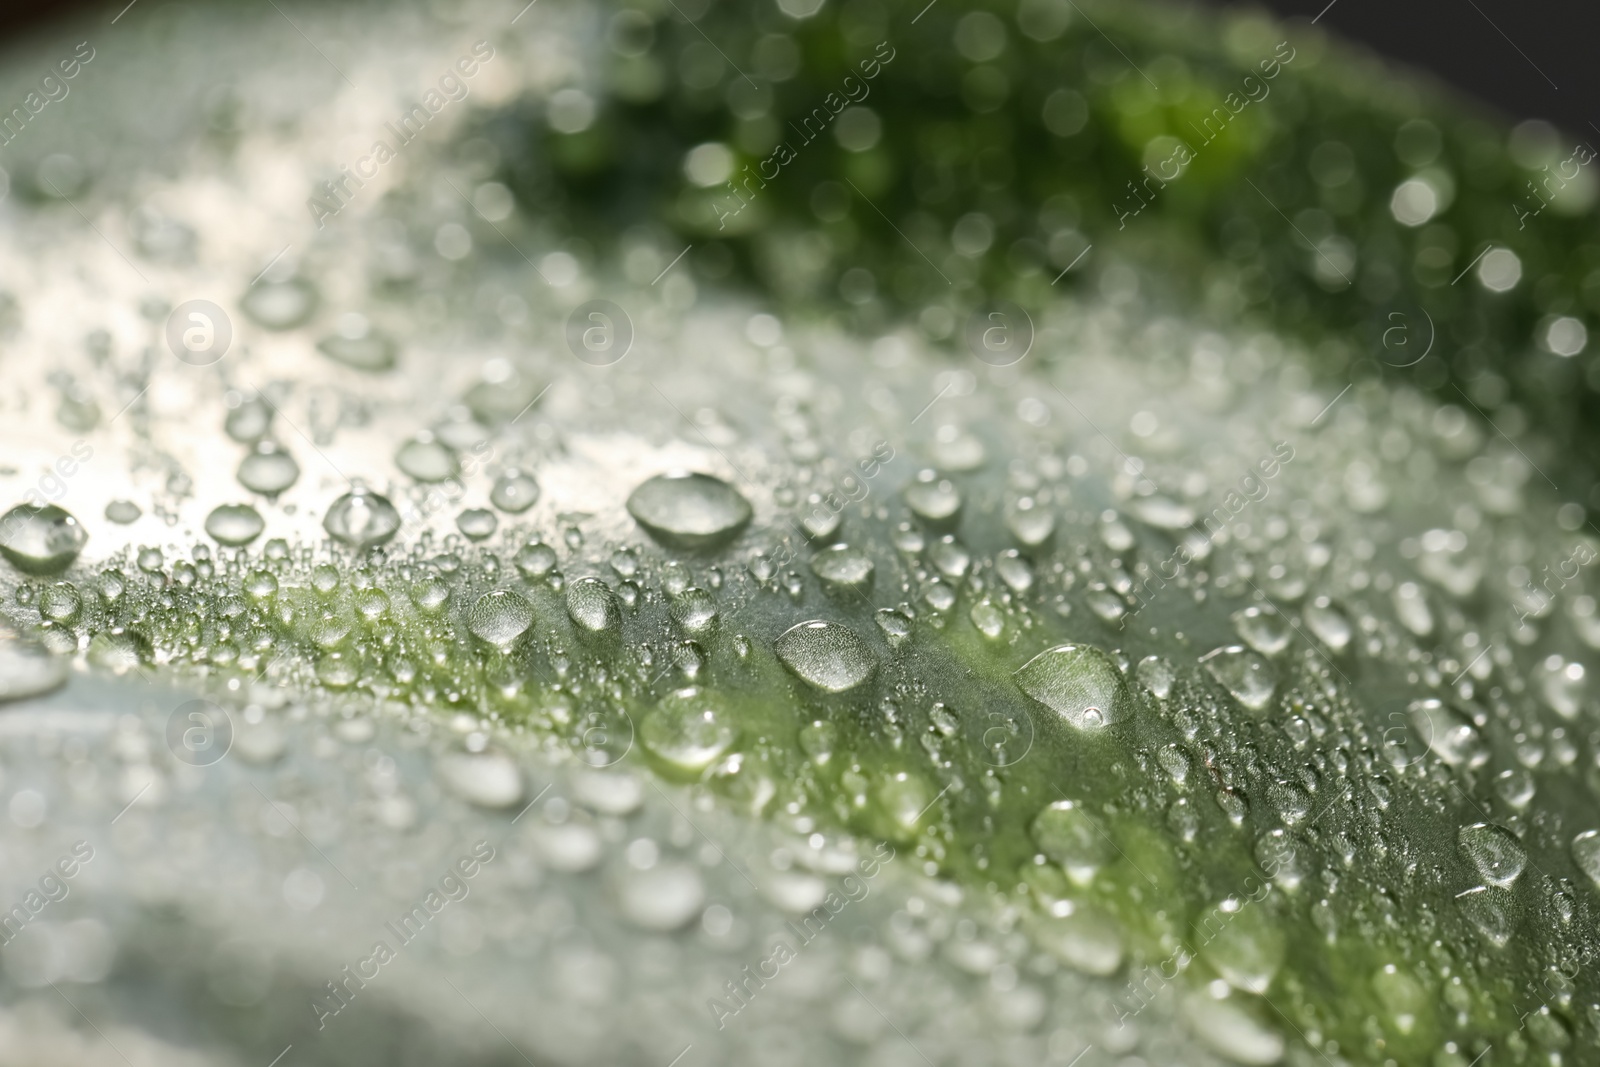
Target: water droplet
1411 607
1243 943
895 624
1162 512
592 605
989 620
40 540
358 346
535 560
1448 733
488 779
1244 673
268 470
477 523
1015 570
280 305
1087 940
1156 675
1263 629
362 519
426 459
514 492
695 610
500 617
1078 682
27 669
829 656
1490 909
1494 851
123 512
664 898
933 499
689 511
1586 853
949 557
234 524
1330 625
688 730
1229 1029
842 566
1031 523
1563 685
248 422
1070 838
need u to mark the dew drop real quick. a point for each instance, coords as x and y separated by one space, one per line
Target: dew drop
1586 853
476 524
1069 837
695 610
362 519
40 540
1330 625
514 492
1078 682
280 305
1494 851
487 779
933 499
268 470
826 655
426 459
234 524
843 566
689 511
358 346
535 560
1244 673
500 617
123 512
687 730
592 605
27 669
1263 629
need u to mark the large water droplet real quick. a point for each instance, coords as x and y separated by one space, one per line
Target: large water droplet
592 605
358 346
689 511
500 617
426 459
843 566
515 491
1263 629
1244 944
688 730
1586 854
1244 673
27 669
663 898
695 610
1229 1029
1494 851
477 523
933 499
40 540
1448 733
1329 624
268 470
280 305
1068 835
1078 682
1490 909
488 779
234 524
362 519
827 655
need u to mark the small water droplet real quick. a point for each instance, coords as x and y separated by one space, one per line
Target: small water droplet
1494 851
514 492
592 605
476 524
843 566
426 459
933 499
